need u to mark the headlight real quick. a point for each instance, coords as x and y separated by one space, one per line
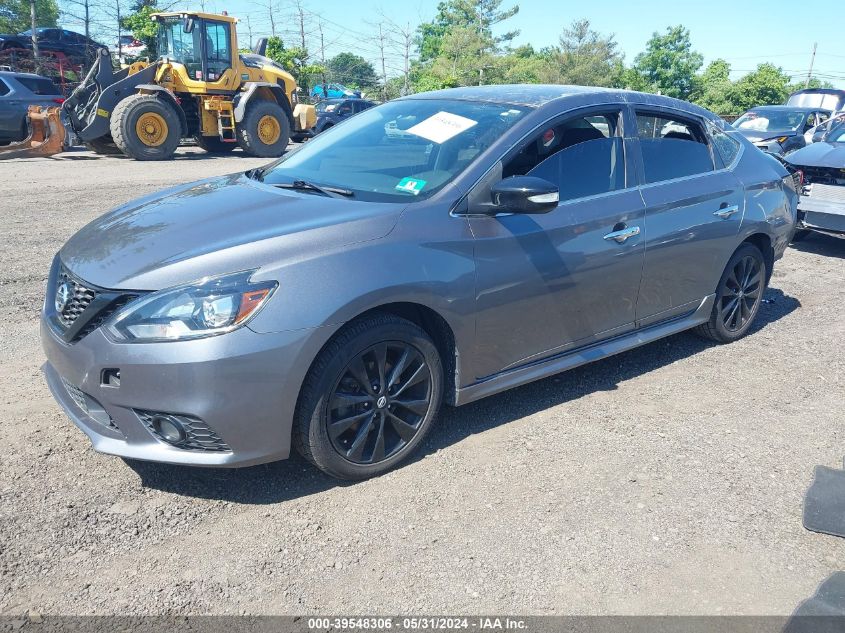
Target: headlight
215 305
779 139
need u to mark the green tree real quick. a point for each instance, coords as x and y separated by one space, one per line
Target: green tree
15 17
480 15
141 26
586 58
714 88
768 85
669 65
351 70
295 61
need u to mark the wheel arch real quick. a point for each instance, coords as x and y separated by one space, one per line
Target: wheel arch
764 243
433 324
263 91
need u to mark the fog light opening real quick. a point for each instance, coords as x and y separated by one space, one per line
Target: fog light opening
169 428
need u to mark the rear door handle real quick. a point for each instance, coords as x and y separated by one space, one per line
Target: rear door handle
620 236
726 212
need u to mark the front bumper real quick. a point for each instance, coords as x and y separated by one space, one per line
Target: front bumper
243 385
826 216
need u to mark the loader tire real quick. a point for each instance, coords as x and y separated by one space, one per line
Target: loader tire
146 128
213 145
104 146
264 130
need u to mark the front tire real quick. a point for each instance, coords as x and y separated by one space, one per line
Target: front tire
369 399
265 130
146 128
738 296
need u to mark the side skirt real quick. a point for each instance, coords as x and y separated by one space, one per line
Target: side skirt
581 356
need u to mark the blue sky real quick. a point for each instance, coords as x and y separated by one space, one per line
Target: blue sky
744 33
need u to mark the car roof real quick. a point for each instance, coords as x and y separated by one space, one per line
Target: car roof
539 95
786 108
16 75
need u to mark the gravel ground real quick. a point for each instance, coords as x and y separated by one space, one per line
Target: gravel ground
664 480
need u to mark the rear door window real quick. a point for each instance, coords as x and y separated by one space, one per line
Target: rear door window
583 156
39 86
672 148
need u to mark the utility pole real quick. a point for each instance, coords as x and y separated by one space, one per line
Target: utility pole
408 35
249 30
812 61
323 60
383 66
34 26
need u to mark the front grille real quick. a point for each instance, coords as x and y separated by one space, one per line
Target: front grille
824 175
89 405
199 436
79 298
84 307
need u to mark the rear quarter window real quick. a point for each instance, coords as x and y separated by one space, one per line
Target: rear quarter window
4 88
727 148
39 86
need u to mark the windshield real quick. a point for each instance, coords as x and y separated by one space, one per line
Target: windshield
403 150
769 120
178 46
328 105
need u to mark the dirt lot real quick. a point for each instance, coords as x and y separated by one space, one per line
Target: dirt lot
665 480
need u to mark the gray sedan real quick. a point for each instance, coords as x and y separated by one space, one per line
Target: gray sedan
18 91
335 299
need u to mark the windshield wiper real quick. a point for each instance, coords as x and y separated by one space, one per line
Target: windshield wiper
303 185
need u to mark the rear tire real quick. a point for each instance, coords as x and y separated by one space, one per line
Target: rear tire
145 127
738 296
265 130
104 146
352 397
214 145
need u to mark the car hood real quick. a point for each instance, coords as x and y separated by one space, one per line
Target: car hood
213 227
821 154
757 135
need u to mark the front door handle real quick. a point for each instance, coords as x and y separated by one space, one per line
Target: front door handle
620 236
726 212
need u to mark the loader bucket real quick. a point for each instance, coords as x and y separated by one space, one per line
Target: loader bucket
46 137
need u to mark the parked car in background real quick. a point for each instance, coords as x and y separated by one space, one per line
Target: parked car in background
18 91
334 299
824 98
333 91
815 134
821 206
62 41
332 111
128 46
779 129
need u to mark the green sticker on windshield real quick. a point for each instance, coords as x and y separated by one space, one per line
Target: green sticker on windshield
410 185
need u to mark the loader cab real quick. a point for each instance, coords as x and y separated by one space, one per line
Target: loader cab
203 44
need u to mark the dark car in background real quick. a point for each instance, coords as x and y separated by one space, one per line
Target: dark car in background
57 40
779 129
332 111
821 206
18 91
334 299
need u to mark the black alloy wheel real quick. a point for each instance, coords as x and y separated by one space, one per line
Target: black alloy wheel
379 403
370 397
738 296
742 293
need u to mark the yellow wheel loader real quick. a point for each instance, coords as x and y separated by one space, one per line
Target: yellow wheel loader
200 88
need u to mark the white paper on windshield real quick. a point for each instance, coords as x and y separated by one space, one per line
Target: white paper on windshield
442 126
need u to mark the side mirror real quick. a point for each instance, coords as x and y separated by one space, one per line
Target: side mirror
524 194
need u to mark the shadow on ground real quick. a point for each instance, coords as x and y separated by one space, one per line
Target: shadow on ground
821 244
293 478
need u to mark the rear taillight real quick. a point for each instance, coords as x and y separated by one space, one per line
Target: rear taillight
59 100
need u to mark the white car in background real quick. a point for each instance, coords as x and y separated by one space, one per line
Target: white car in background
815 134
128 46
